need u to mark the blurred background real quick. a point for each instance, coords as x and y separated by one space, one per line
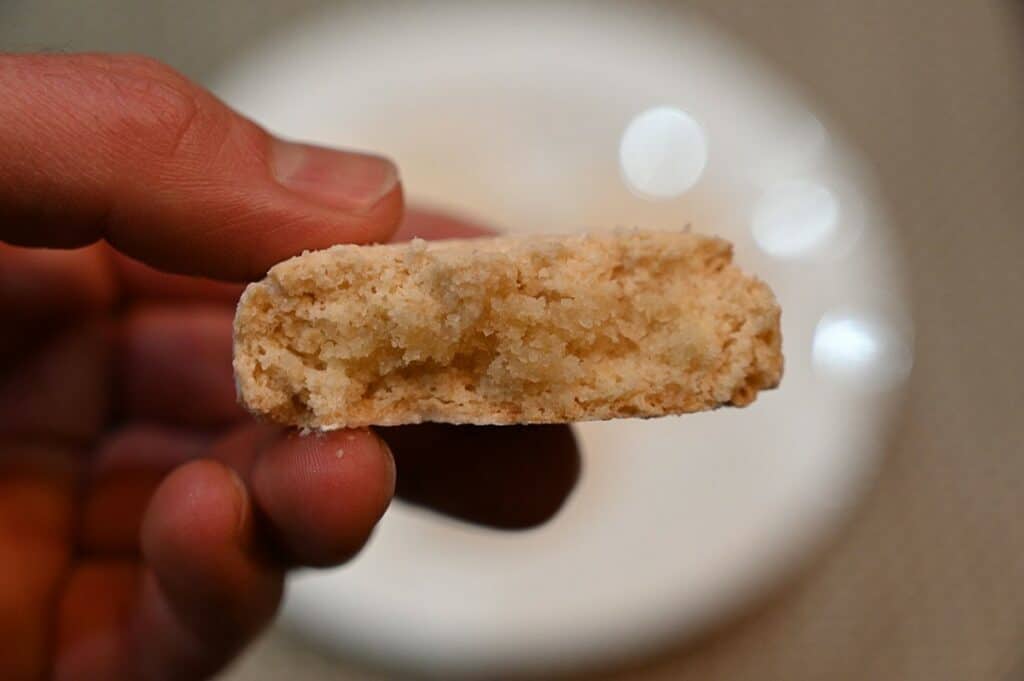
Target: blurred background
918 572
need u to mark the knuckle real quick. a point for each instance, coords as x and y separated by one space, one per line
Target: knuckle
161 111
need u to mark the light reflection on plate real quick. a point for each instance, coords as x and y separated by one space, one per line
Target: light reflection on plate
663 153
562 116
794 218
859 351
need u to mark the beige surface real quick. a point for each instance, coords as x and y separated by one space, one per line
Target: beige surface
542 329
927 583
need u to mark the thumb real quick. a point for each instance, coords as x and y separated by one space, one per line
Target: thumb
126 149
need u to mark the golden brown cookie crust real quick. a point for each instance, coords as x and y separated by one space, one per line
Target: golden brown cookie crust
535 329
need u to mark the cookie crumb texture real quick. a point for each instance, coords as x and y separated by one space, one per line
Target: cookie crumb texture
506 330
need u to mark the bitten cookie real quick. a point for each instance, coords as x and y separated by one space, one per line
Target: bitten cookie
536 329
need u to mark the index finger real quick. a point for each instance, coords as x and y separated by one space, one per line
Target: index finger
126 149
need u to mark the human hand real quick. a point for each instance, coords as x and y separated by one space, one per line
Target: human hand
146 523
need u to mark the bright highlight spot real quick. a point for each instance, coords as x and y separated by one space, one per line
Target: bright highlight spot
663 153
844 344
794 218
860 352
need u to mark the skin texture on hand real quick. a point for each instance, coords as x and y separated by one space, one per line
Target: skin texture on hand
146 523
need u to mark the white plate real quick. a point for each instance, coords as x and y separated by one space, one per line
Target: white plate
516 114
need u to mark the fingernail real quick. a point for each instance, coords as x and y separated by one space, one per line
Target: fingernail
243 502
390 456
345 180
